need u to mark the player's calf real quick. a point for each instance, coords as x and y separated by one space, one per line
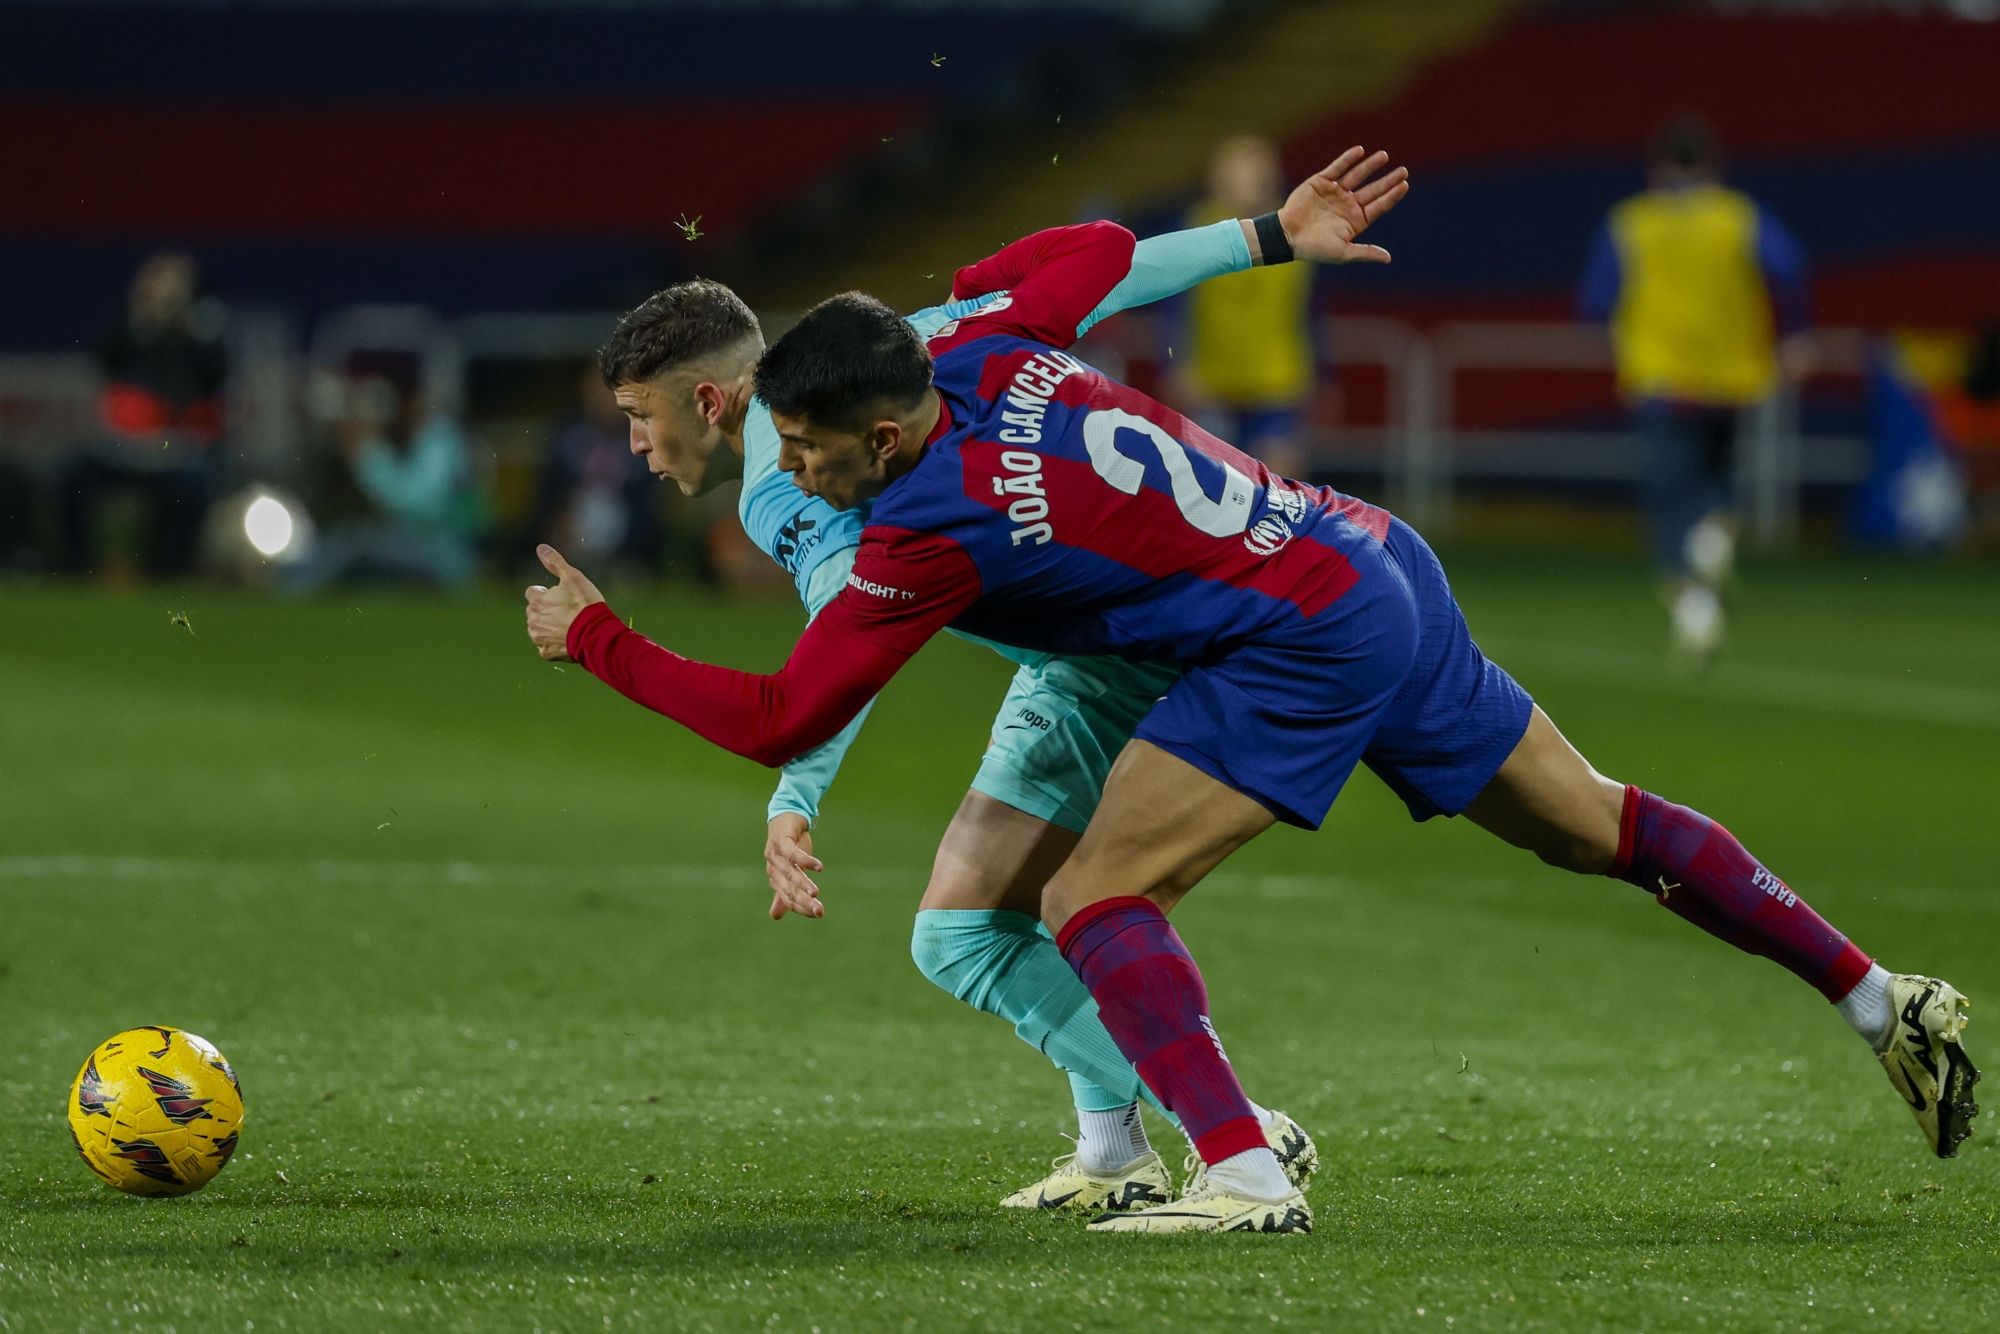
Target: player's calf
1698 871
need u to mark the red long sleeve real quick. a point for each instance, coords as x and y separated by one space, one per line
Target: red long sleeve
904 589
1053 279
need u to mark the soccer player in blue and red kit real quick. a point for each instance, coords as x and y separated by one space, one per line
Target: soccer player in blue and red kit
1021 496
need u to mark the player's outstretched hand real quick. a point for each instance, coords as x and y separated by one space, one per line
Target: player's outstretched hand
550 610
788 855
1334 205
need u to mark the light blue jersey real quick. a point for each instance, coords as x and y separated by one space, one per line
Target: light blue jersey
815 542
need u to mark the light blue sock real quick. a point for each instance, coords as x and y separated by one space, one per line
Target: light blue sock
1007 964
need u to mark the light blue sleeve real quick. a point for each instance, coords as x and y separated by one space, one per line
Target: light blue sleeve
803 782
932 318
1164 266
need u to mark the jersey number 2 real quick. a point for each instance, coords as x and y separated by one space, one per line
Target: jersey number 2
1218 518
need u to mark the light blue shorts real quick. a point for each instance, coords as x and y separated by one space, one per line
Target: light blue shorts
1059 729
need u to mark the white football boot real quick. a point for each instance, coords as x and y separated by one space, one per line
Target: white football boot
1298 1156
1209 1207
1135 1186
1297 1153
1698 625
1925 1061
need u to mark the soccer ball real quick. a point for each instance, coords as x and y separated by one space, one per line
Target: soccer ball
155 1111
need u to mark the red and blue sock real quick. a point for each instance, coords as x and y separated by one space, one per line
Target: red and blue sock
1698 870
1152 1001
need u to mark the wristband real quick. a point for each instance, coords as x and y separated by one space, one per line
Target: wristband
1271 239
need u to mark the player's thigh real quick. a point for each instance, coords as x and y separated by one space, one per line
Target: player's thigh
1163 824
995 856
1547 799
1459 716
1059 729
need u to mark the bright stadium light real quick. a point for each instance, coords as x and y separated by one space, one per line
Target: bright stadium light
256 533
268 525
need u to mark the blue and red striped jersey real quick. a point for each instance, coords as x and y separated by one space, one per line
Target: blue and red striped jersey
1052 508
1097 520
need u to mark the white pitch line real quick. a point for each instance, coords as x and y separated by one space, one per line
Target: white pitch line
1762 683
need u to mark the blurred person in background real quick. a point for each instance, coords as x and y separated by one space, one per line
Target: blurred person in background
416 511
1705 295
1969 415
1243 353
595 491
162 416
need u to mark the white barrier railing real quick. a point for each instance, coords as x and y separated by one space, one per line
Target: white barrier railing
1422 451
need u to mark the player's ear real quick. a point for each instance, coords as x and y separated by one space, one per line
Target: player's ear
885 438
709 401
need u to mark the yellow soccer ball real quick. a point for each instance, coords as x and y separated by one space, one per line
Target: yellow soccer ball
155 1111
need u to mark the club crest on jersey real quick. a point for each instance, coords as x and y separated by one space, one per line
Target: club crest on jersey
91 1099
177 1100
1269 535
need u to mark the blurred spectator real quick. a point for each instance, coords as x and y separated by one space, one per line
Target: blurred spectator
161 413
596 496
1693 279
1244 359
421 508
1969 414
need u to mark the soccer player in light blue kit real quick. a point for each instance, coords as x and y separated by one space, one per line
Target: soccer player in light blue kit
680 366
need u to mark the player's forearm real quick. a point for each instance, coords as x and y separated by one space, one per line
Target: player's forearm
1164 266
769 719
806 779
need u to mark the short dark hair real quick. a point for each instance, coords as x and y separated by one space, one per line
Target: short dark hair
843 360
674 325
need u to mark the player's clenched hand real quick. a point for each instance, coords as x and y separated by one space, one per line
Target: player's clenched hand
787 857
1336 204
550 610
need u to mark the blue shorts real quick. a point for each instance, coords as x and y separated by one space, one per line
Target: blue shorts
1388 676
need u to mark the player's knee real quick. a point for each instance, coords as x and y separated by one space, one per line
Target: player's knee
966 959
937 954
1062 898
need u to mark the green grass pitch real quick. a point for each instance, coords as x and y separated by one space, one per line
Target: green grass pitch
487 946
